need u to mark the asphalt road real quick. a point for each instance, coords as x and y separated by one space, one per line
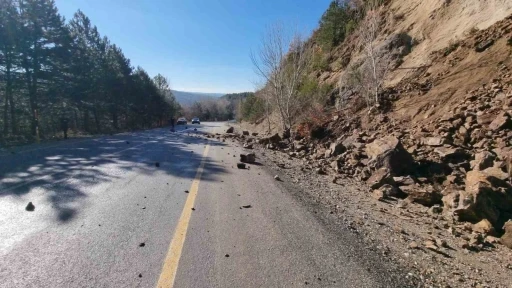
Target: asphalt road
106 216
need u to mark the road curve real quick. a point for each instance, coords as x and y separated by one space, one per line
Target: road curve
107 210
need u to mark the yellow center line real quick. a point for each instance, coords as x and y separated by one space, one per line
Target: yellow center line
172 259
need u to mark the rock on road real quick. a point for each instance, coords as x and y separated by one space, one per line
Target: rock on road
105 214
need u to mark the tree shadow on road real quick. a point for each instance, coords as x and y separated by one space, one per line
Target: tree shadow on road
66 174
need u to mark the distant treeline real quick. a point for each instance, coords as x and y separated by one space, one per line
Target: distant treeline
224 108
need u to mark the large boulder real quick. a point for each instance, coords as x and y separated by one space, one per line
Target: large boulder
483 160
248 158
274 139
380 177
451 154
451 200
424 195
335 149
404 180
485 197
501 121
497 173
352 142
503 153
388 152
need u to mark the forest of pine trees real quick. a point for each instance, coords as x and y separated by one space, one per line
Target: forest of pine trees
54 72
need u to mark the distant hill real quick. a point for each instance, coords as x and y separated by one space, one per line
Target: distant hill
237 96
188 98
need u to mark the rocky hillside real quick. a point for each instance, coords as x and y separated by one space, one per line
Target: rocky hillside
444 134
447 127
442 138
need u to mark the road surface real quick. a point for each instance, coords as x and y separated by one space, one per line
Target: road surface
106 215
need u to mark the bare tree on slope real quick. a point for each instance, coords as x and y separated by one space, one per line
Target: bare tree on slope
282 62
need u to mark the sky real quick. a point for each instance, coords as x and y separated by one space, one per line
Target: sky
199 45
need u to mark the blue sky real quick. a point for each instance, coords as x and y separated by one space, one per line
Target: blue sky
200 45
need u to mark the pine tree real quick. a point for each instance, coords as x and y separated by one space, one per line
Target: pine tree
8 57
42 44
333 23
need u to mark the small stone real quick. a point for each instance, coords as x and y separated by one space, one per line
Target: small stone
247 206
140 275
30 207
492 240
433 141
227 255
193 209
186 191
277 178
413 245
441 243
378 195
429 244
484 227
506 239
436 209
142 244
